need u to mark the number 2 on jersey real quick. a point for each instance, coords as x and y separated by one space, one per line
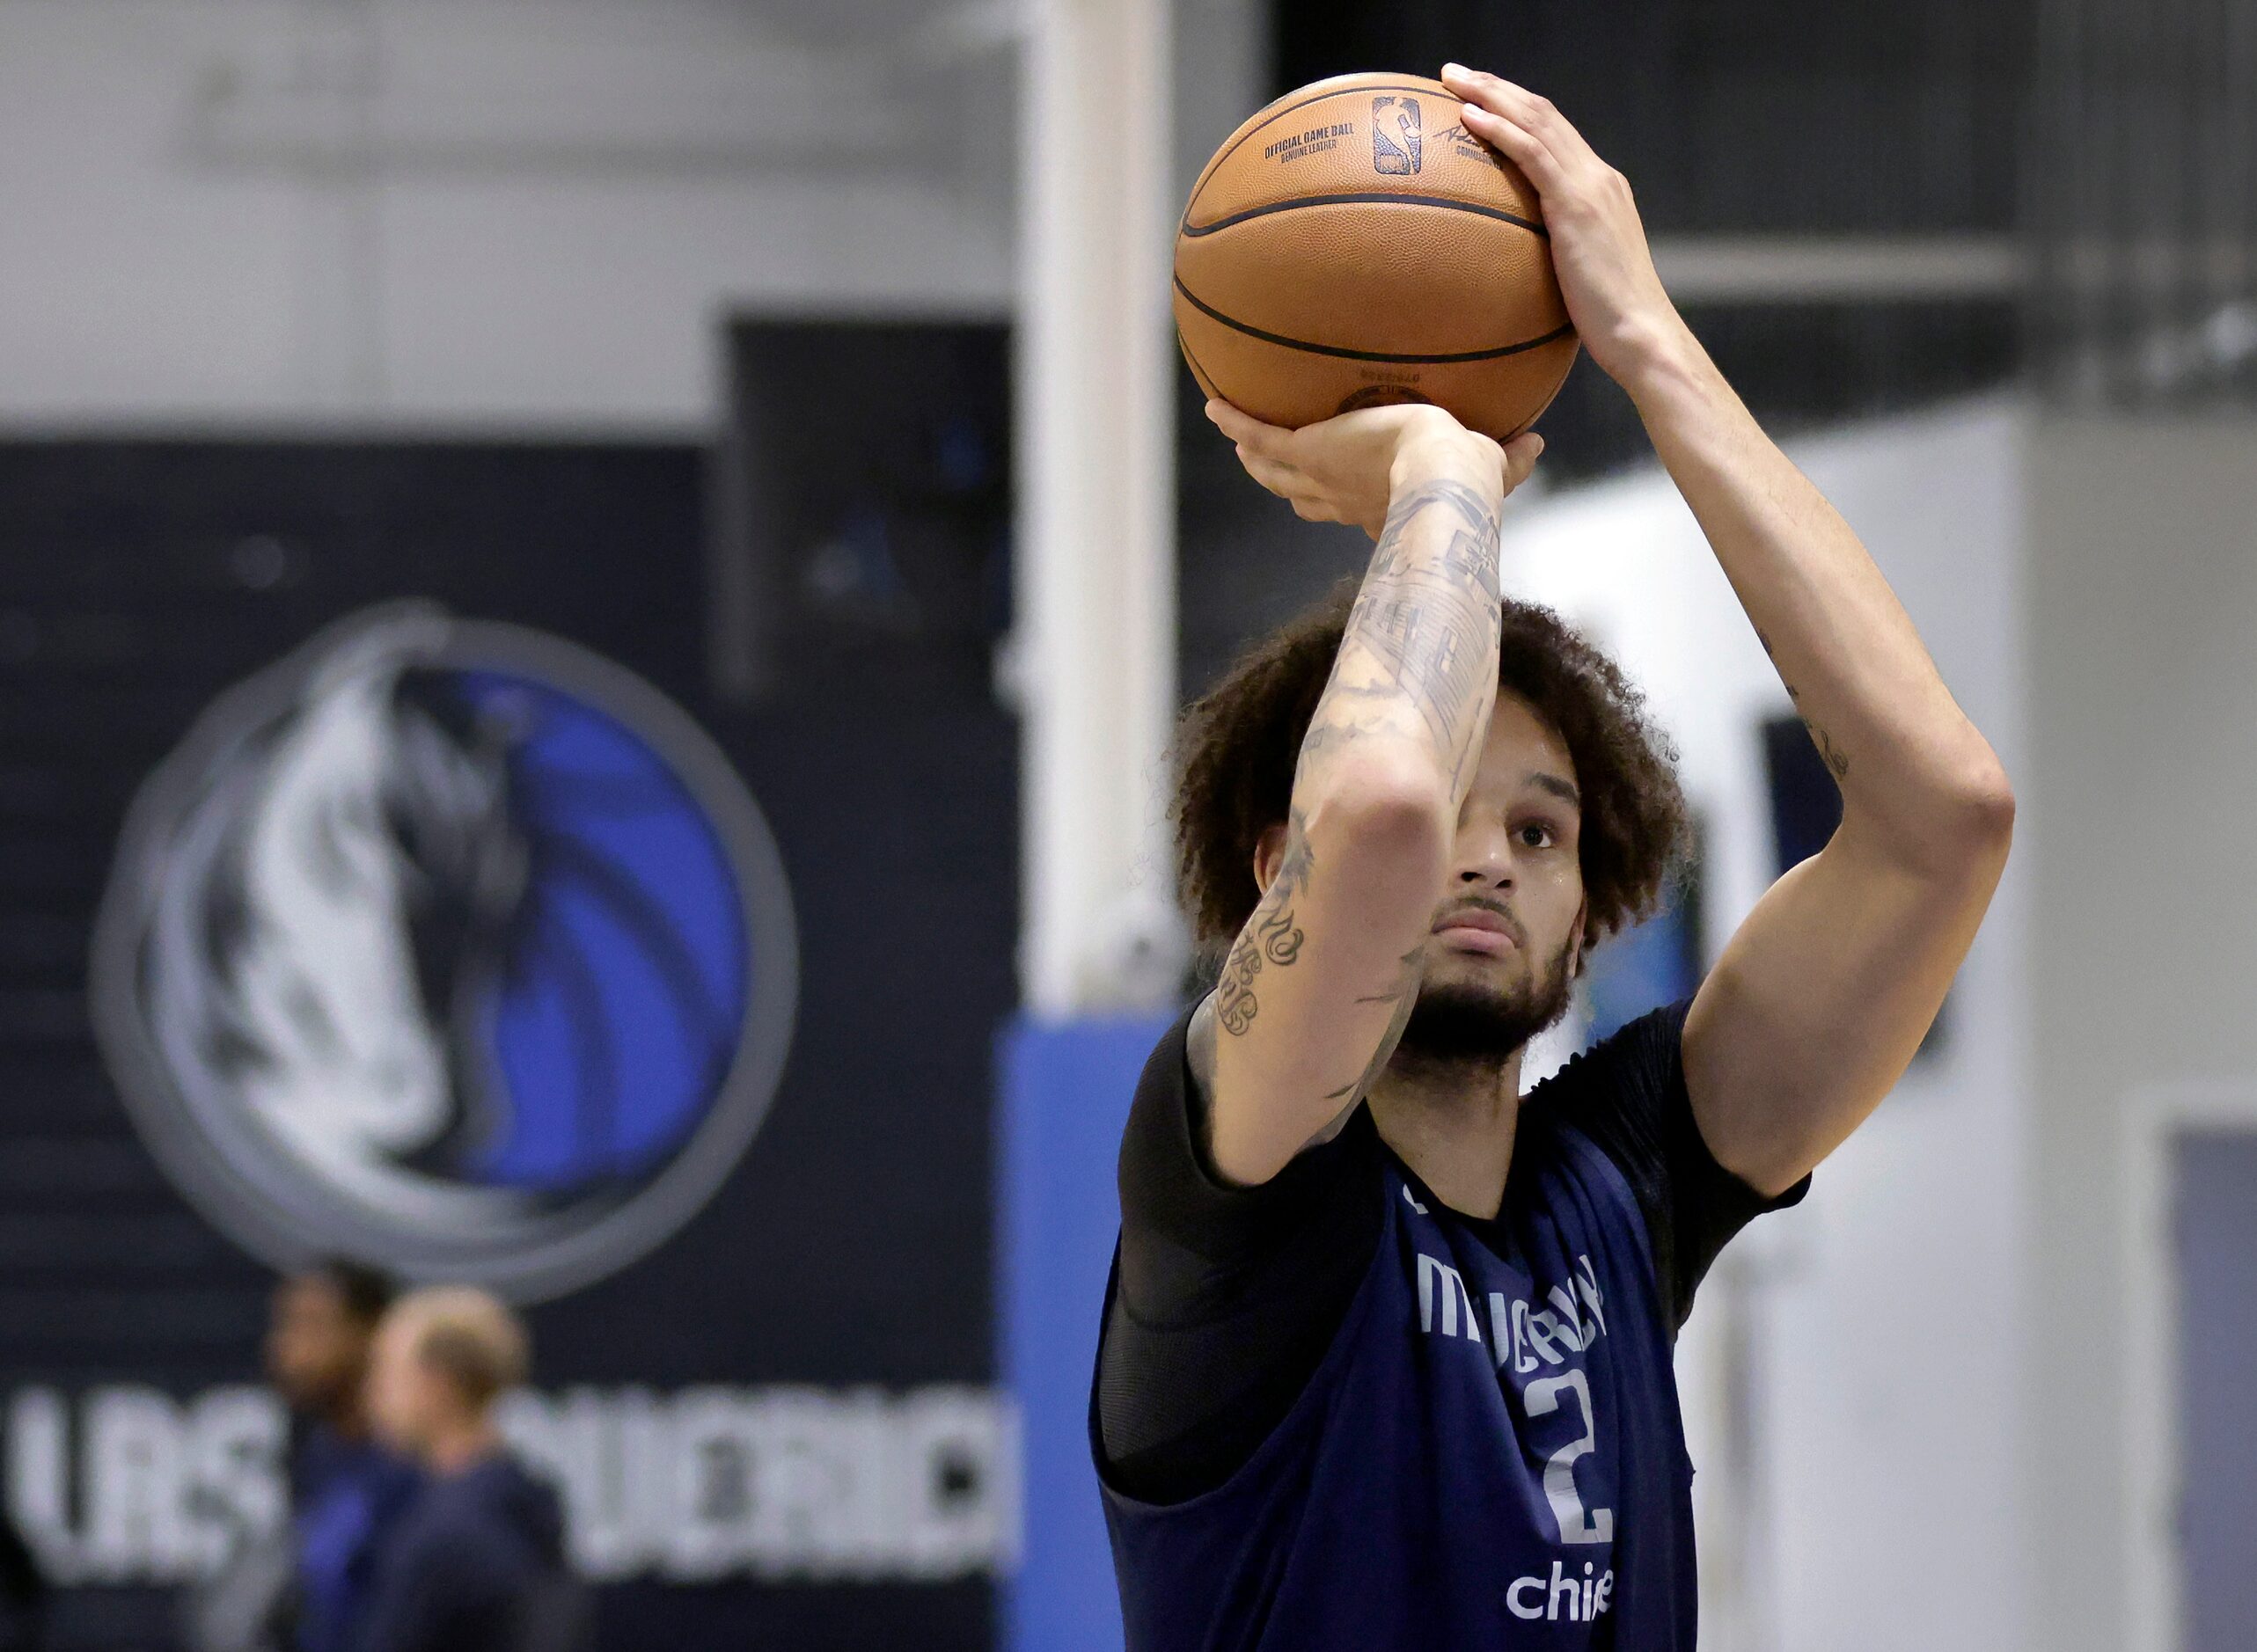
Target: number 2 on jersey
1576 1525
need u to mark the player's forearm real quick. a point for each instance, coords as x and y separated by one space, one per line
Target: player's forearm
1915 774
1410 692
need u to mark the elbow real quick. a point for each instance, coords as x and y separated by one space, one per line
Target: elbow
1972 828
1382 787
1984 804
1956 825
1396 803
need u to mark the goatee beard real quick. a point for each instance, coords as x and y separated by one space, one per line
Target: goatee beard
1460 1023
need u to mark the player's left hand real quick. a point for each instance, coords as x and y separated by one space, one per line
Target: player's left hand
1346 468
1598 245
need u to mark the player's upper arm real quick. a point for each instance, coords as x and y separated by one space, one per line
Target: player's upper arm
1312 994
1826 990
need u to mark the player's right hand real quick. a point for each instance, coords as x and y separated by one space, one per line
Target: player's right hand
1348 468
1598 245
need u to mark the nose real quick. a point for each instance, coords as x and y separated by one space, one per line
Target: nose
1485 856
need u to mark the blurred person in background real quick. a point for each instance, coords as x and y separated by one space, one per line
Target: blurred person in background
476 1563
346 1488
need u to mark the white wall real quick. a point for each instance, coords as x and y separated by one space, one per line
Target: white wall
499 214
2143 697
1880 1502
465 212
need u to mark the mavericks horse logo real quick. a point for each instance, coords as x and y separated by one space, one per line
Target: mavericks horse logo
451 945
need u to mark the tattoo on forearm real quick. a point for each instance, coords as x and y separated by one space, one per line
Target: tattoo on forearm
1235 1006
1403 995
1836 760
1433 621
1271 935
1430 621
1280 939
1298 861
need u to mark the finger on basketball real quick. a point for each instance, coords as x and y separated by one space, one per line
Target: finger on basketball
1531 109
1493 94
1523 147
1520 456
1540 115
1459 78
1250 432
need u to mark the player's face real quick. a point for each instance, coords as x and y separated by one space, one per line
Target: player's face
404 1393
1508 928
316 1351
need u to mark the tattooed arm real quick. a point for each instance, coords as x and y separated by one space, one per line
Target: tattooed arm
1314 993
1823 995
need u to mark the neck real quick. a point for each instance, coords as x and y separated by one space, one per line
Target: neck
346 1418
1452 1123
458 1445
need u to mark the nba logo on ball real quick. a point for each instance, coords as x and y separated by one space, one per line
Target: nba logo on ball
450 944
1395 135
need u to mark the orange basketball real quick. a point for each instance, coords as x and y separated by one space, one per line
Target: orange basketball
1353 245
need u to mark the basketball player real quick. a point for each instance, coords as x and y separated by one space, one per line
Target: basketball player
1386 1360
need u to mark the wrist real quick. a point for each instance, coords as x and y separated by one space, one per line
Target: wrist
1655 354
1448 452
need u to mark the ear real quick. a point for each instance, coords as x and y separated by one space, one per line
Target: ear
1268 852
1575 940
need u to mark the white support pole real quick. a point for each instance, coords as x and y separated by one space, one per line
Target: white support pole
1095 650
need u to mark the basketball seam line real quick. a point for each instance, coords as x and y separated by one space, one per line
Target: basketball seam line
1366 198
1563 331
1213 165
1204 379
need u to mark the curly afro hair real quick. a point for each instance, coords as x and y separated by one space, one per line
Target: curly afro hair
1236 748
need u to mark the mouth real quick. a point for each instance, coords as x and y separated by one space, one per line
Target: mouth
1479 931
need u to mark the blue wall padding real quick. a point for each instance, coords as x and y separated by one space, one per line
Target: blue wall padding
1066 1092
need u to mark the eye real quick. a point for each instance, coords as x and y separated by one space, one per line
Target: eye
1536 834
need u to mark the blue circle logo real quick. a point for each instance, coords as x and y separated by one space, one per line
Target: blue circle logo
450 944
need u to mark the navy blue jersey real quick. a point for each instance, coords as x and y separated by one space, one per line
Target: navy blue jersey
1488 1452
346 1496
476 1563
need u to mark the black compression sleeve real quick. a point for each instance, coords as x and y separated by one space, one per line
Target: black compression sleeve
1227 1297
